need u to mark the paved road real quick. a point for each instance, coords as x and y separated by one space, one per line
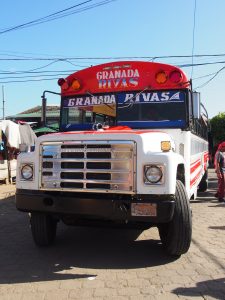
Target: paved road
88 263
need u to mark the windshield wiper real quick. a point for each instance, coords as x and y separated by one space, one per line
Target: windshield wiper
132 100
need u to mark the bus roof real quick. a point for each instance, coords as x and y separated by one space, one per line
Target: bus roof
124 76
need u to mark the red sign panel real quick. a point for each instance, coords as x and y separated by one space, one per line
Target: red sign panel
125 76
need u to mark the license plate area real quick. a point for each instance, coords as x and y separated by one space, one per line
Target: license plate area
144 209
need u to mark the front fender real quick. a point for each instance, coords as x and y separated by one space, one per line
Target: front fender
26 158
170 162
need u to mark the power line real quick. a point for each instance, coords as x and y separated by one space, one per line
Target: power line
204 76
43 18
201 64
30 80
193 41
65 72
37 72
57 15
36 76
78 10
110 57
68 72
34 73
56 57
208 81
53 62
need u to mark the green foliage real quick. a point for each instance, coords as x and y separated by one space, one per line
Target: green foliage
218 128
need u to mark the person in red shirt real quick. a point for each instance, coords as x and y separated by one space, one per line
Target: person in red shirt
214 164
220 171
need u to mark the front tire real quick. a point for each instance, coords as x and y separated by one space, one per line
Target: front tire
43 228
176 234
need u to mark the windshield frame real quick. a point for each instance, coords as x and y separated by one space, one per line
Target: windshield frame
184 124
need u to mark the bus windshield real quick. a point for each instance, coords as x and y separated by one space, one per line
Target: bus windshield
153 109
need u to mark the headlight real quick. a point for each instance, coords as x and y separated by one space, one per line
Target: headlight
153 174
27 172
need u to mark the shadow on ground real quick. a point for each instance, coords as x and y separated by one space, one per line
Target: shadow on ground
84 248
217 227
209 288
76 247
209 195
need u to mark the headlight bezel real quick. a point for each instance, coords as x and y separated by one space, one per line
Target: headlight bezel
22 175
160 178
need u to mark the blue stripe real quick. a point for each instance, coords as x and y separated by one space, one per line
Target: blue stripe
71 127
153 124
133 125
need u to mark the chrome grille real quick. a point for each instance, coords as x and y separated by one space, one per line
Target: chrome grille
90 166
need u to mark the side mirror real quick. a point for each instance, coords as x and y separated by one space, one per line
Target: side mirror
196 105
43 111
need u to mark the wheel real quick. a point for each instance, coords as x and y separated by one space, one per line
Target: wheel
176 234
203 185
43 228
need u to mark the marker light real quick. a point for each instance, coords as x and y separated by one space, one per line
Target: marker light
165 145
175 76
161 77
75 85
63 84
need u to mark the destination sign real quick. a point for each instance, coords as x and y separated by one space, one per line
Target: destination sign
125 98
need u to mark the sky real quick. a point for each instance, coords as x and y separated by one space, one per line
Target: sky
33 57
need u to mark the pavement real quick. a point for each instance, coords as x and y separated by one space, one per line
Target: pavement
108 264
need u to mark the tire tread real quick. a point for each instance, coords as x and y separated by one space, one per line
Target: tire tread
43 229
176 235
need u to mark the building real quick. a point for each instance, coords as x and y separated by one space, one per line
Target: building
33 116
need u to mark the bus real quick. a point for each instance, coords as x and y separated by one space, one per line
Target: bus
131 151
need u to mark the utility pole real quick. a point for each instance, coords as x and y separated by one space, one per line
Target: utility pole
3 103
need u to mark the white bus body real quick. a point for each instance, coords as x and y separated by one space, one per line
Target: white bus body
137 172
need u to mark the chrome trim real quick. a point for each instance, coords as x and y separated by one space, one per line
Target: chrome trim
88 166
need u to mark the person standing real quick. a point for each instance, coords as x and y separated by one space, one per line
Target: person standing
215 167
220 170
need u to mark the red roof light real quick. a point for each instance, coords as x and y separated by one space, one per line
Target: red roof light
175 76
161 77
63 84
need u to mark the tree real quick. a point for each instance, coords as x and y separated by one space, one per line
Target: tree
218 128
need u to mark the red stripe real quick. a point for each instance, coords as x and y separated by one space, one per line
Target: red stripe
195 165
193 181
206 159
194 162
107 132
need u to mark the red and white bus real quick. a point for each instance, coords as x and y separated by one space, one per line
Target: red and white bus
132 149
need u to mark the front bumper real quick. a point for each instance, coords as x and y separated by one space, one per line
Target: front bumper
110 207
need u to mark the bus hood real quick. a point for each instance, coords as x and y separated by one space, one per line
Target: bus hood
148 140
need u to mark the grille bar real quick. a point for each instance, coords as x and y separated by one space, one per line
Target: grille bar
83 159
92 171
103 166
94 181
